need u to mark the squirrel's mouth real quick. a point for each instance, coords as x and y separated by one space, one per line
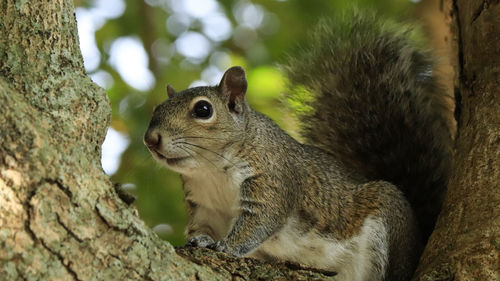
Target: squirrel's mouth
170 161
175 161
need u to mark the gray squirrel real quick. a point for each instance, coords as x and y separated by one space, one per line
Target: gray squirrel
359 198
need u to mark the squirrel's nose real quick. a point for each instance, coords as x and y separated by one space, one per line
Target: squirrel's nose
152 139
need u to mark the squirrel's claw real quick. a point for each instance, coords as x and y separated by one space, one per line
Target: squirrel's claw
219 246
201 240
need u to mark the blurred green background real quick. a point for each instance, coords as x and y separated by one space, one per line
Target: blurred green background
134 48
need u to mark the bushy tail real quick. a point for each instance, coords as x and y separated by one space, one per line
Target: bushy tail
377 107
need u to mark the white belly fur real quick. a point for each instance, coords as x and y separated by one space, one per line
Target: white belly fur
217 194
363 257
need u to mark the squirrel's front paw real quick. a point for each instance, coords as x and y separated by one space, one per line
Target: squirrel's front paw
201 240
219 246
222 246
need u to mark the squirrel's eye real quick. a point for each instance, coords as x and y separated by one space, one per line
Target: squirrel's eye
203 109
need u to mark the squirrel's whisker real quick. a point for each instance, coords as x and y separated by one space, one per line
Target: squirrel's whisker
209 150
212 138
198 137
208 160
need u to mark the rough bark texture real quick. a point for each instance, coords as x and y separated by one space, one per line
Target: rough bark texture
60 217
466 242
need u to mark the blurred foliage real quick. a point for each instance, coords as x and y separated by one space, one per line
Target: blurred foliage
258 49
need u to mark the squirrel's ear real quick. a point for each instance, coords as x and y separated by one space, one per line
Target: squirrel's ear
170 91
234 85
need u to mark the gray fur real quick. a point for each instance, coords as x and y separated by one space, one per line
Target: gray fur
378 107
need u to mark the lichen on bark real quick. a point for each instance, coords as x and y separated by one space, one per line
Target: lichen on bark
59 216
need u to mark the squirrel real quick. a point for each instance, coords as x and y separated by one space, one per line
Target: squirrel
359 197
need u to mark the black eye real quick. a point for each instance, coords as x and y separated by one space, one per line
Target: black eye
203 109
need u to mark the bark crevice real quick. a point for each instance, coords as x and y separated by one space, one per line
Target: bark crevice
29 210
479 10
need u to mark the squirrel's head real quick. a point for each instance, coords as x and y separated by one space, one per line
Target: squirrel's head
197 126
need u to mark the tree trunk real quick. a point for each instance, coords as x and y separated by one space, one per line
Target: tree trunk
60 217
466 242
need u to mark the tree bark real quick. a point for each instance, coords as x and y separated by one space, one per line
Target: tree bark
60 217
465 244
